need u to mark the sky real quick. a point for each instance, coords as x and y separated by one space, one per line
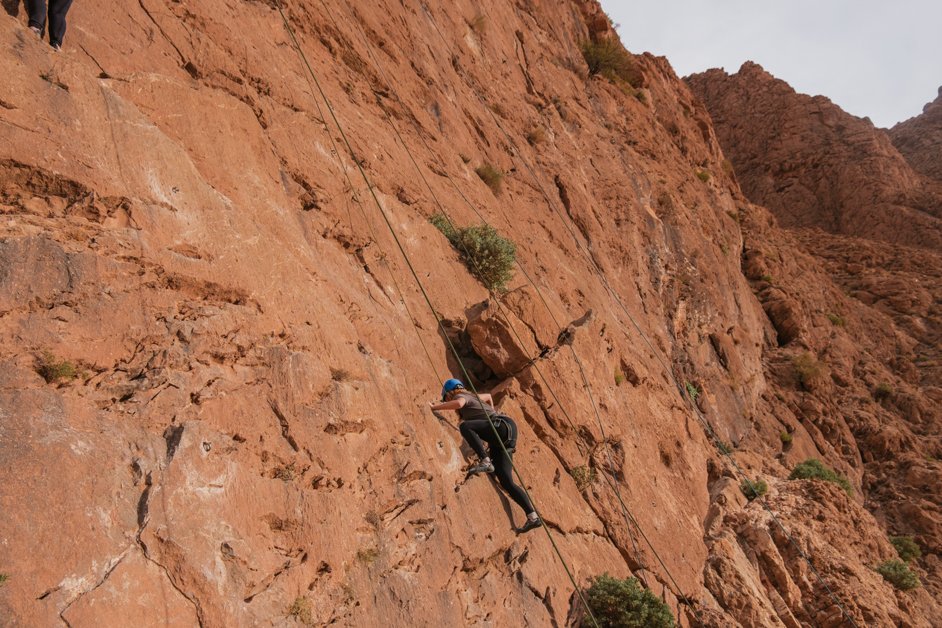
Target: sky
876 58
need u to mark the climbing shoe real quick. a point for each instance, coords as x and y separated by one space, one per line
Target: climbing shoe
481 467
529 524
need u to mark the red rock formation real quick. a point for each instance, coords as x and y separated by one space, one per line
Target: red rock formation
814 165
212 397
889 285
919 139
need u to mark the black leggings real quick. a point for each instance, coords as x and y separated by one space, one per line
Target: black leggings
479 431
57 11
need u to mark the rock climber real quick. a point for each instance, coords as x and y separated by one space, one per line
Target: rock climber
37 19
476 414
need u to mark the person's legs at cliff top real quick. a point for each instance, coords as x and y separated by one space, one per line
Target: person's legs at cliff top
37 15
57 11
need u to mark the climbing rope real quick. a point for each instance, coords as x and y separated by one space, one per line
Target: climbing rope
612 485
684 394
428 301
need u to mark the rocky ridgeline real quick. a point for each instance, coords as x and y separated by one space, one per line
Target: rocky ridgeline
213 371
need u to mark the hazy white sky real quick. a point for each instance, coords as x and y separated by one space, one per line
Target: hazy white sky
876 58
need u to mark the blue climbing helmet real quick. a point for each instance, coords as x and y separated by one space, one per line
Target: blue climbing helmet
451 385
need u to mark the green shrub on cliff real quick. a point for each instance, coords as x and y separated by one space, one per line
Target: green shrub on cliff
491 176
808 370
488 255
754 488
906 547
609 59
52 369
898 573
813 469
624 604
3 579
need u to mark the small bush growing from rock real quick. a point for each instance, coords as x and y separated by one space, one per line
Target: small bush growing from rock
766 278
906 547
898 573
786 438
619 377
882 391
808 370
286 473
3 579
624 604
478 24
367 554
609 59
703 175
724 447
813 469
836 320
536 135
52 369
301 610
490 176
584 476
488 255
692 391
753 489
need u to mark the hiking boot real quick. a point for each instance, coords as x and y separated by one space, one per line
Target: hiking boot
530 524
38 32
481 467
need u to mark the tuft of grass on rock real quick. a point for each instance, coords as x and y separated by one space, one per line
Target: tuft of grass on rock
340 375
808 370
491 176
703 175
367 555
753 489
882 391
837 320
536 135
302 611
898 573
619 377
786 437
478 24
623 603
3 579
286 473
814 469
52 369
906 547
584 476
692 391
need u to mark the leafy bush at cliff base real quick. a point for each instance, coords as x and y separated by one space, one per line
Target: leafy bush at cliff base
488 255
906 547
898 573
624 604
813 469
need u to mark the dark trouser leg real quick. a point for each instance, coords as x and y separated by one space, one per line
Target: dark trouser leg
37 13
503 469
57 11
473 431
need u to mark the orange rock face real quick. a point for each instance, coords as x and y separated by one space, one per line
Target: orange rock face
215 362
889 279
919 139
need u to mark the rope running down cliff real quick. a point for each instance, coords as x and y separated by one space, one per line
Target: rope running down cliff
612 484
425 296
684 395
